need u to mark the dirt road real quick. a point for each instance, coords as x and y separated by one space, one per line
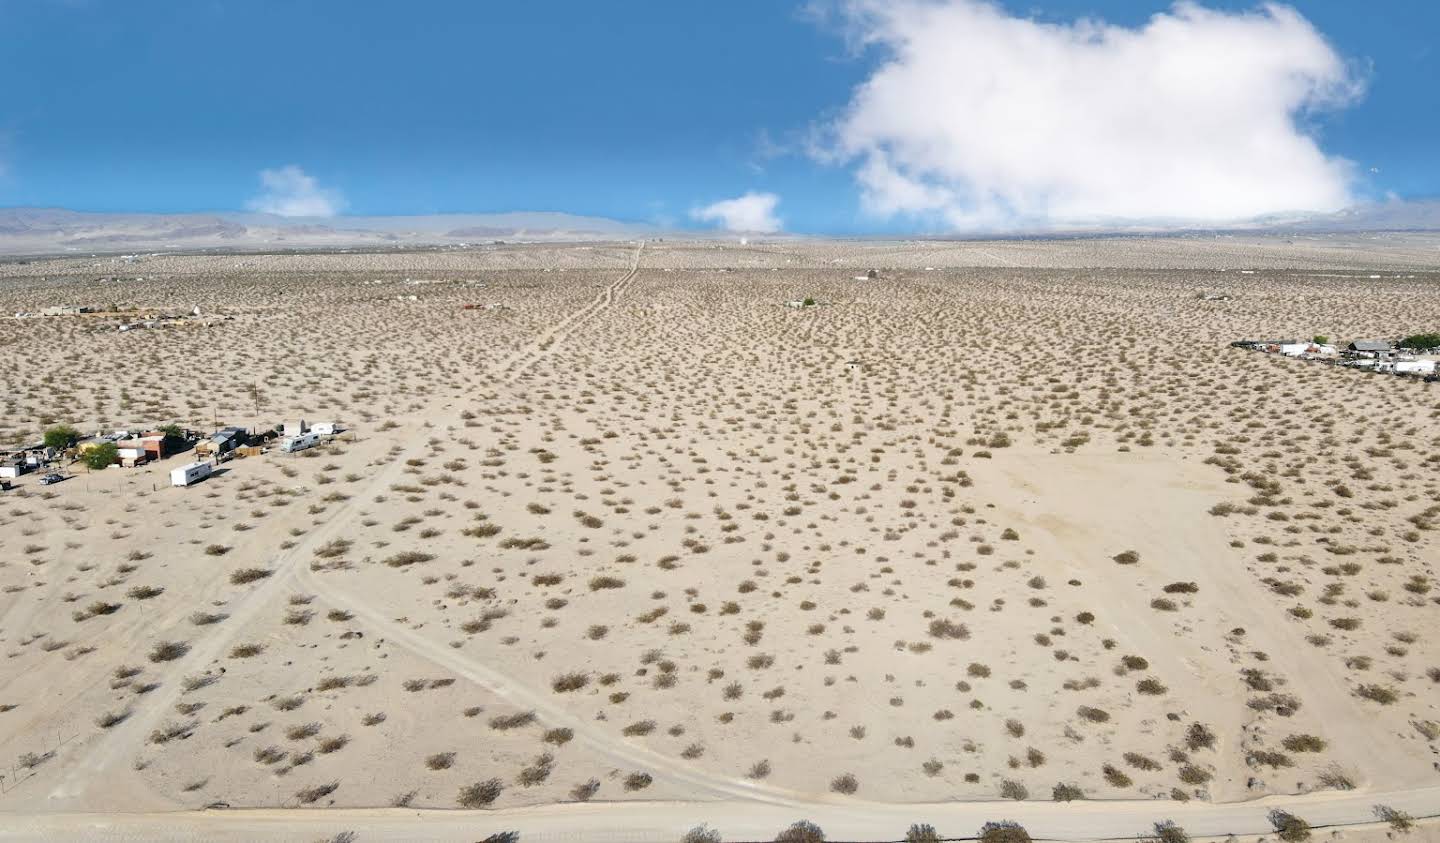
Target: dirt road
736 821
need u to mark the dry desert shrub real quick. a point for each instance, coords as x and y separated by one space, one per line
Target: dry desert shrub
801 831
480 794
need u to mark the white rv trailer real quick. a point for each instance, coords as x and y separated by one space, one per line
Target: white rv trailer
300 443
187 475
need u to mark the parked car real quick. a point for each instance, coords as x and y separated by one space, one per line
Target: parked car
50 478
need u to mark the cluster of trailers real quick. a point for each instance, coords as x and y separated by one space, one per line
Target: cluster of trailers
230 442
1369 355
133 450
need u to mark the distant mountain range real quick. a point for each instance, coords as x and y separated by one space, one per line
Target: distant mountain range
44 231
56 231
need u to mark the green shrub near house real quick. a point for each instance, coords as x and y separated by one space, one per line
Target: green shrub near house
61 436
100 456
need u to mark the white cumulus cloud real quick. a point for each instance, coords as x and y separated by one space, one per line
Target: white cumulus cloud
982 120
751 213
290 192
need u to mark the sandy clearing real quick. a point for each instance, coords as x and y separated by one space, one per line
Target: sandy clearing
1118 502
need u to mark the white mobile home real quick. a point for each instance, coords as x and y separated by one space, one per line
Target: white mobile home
300 443
326 428
187 475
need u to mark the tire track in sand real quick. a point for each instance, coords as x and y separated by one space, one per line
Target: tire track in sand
519 362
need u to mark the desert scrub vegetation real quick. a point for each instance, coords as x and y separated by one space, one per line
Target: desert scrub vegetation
946 629
1003 831
801 831
569 682
638 781
1377 693
408 558
505 722
1288 827
166 651
480 794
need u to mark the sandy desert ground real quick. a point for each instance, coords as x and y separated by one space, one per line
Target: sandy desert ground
1009 528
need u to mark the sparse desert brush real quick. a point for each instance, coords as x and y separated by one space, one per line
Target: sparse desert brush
269 755
569 682
243 576
170 732
1166 831
481 794
216 550
113 718
407 558
302 731
1303 743
1398 820
1064 792
315 793
1150 686
701 834
947 629
1011 789
166 651
333 548
1199 736
1003 831
332 744
801 831
506 722
537 771
1336 777
1288 827
638 781
1377 693
584 791
483 530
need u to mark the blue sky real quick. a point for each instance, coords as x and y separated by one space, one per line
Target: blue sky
642 110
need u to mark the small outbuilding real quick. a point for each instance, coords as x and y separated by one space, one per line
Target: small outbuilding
223 441
1369 347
